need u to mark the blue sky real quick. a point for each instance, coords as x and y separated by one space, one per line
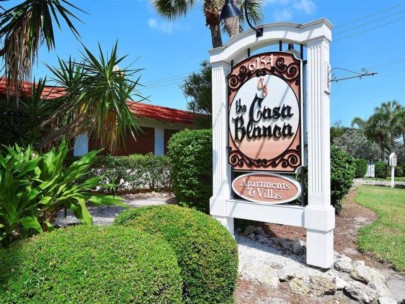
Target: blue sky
368 34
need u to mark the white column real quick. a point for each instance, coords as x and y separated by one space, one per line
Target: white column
392 176
81 145
221 169
319 214
159 141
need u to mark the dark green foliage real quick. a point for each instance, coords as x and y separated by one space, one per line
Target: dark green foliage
90 265
190 153
381 169
399 171
34 187
343 169
198 90
206 252
135 172
354 142
361 168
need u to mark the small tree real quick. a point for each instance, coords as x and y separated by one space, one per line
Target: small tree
197 88
355 143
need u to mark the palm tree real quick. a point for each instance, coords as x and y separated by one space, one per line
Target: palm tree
400 120
173 9
383 126
388 114
23 29
375 130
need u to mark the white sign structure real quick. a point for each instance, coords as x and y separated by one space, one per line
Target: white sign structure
393 164
318 217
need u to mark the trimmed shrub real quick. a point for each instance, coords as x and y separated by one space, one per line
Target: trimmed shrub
381 169
135 172
343 170
90 265
206 252
361 168
399 171
190 153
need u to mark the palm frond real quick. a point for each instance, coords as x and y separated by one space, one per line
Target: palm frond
24 28
173 9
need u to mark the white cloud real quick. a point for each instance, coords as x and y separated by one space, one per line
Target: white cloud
285 10
166 27
284 14
307 6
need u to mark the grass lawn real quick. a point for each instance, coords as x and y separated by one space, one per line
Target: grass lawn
385 237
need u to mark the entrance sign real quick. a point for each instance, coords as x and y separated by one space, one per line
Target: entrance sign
261 128
265 113
393 164
266 188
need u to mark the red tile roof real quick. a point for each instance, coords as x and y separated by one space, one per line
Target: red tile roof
49 91
137 108
160 113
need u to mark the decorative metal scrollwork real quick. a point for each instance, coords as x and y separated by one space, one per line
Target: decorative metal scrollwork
289 159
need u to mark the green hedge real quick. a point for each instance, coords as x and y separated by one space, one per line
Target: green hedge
381 169
190 153
361 168
90 265
343 169
399 171
135 172
206 252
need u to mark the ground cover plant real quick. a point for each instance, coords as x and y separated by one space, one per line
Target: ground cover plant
34 187
206 252
85 264
385 237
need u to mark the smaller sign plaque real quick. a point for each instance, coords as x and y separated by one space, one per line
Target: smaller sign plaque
266 188
393 160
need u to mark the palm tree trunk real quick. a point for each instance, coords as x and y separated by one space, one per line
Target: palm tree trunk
232 26
216 35
382 147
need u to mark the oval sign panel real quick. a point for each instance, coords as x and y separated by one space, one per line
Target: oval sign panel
266 188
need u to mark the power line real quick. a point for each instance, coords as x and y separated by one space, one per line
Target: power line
369 30
388 64
373 21
370 15
165 83
168 78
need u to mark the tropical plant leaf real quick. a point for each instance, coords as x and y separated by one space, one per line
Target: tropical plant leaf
31 223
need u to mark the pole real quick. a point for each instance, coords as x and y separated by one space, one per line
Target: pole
392 176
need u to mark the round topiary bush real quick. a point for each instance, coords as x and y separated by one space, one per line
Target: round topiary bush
90 265
206 252
190 154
